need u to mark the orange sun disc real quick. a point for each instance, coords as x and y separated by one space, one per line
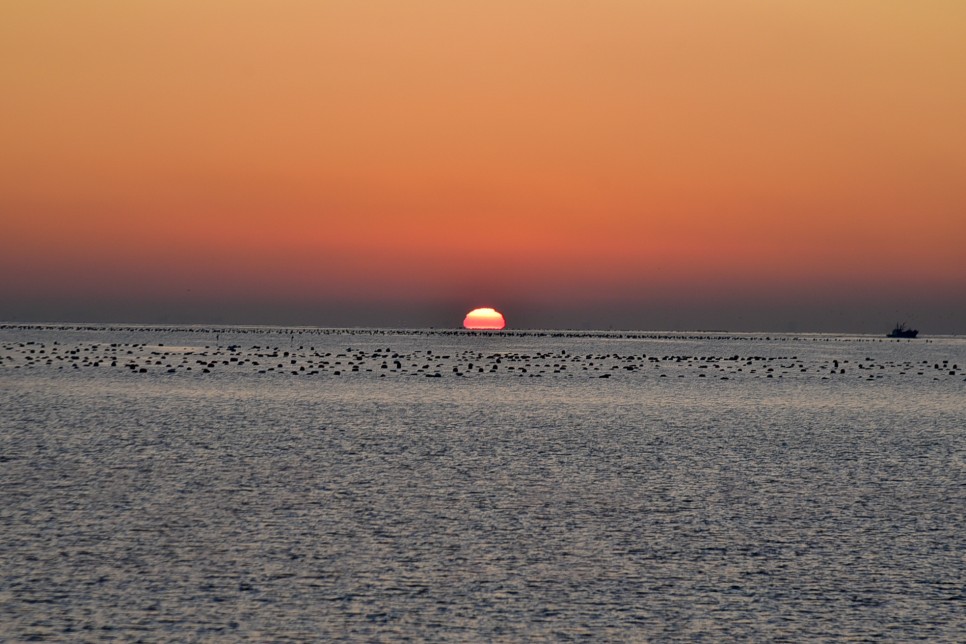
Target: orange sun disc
484 320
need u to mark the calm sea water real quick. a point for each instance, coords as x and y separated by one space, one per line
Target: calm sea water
295 484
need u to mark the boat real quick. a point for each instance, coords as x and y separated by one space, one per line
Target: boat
902 331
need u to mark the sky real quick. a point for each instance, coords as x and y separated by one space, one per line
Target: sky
617 164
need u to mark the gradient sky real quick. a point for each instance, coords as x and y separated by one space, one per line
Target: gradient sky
679 164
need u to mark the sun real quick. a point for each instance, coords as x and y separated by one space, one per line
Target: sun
485 319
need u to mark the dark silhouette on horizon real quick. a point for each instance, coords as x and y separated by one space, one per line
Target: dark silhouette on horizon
902 331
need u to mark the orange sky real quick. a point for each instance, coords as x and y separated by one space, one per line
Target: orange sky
623 155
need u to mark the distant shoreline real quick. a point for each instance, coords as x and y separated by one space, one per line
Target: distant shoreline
513 333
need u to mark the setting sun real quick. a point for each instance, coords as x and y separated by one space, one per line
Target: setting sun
485 319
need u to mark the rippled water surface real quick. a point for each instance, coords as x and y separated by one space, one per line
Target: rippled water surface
271 484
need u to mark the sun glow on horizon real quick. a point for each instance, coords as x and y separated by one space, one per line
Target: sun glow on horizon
484 319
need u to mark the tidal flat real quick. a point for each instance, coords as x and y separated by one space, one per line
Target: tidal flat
291 484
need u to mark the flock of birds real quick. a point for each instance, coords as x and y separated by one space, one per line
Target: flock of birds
141 358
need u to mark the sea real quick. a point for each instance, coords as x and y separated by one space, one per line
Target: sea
198 483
